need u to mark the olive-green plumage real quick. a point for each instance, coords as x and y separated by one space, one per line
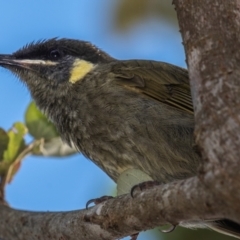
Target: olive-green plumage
133 114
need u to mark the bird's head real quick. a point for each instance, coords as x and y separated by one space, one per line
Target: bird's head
54 63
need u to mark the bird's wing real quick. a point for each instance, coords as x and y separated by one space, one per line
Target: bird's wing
164 82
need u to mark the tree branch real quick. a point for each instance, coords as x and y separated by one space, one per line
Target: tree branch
172 203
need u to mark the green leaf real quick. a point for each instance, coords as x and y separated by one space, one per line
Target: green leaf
10 169
38 125
16 142
4 139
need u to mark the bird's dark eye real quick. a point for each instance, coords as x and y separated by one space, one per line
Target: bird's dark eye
55 54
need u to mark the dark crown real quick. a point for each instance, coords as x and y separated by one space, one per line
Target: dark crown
48 49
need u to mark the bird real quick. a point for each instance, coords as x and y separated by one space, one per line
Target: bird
121 114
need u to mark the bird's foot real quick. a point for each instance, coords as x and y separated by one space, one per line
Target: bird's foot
144 185
103 199
97 200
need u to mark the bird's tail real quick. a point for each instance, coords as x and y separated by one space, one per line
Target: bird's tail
226 227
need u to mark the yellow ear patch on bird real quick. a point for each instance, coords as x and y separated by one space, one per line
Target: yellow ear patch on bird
80 69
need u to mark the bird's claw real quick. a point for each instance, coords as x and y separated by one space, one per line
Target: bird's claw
144 185
134 236
171 229
97 200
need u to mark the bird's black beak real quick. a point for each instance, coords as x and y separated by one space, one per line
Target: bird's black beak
7 60
10 60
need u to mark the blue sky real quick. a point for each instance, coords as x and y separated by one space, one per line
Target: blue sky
66 184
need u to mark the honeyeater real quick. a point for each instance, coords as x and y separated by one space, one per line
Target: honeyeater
121 114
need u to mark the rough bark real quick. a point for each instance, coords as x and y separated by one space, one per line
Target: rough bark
115 218
210 30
